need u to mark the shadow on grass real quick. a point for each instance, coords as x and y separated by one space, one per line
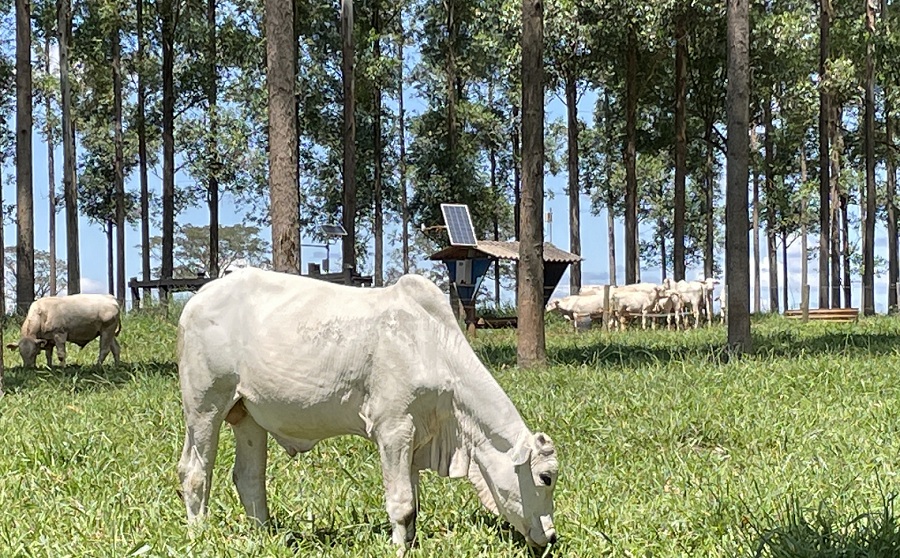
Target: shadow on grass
623 349
84 378
798 533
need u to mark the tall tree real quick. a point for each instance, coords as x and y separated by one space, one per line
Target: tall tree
531 347
118 162
632 247
24 186
825 127
771 207
349 135
168 13
401 122
284 195
681 70
50 134
142 148
737 253
890 191
378 216
70 187
868 276
212 100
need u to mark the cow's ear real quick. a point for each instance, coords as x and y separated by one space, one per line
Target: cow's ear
12 346
521 452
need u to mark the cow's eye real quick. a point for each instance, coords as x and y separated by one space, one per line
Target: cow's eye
546 479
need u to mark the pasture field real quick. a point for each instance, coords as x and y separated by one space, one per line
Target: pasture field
667 449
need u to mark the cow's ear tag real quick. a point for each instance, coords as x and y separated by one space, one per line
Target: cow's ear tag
521 452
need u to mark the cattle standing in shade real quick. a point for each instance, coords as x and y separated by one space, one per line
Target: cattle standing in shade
306 360
55 320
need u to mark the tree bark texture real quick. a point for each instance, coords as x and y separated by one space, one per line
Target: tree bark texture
51 176
169 21
737 256
401 117
574 190
284 193
771 210
632 260
70 189
212 101
709 210
378 224
110 258
531 348
349 135
757 273
890 196
142 150
24 180
836 146
845 251
517 171
680 144
824 175
804 226
868 241
118 165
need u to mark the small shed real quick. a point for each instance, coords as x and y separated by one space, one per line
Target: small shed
468 264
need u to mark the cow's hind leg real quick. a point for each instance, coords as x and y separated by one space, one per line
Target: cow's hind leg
250 464
400 481
195 469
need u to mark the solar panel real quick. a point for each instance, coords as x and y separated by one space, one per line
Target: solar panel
459 224
333 230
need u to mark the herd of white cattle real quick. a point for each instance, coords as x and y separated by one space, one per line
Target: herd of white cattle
676 303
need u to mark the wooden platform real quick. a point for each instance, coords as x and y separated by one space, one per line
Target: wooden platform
840 315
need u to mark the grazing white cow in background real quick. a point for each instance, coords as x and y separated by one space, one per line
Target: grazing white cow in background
697 297
80 318
670 303
578 307
305 360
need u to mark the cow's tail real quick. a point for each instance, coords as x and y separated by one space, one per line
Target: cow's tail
118 321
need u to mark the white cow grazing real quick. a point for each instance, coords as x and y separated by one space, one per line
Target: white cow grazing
580 306
80 318
723 304
306 360
670 303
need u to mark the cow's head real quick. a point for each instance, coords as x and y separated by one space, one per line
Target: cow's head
519 487
552 305
29 348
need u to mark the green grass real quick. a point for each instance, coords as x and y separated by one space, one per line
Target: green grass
667 448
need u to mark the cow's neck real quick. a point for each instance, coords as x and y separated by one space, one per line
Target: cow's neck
485 412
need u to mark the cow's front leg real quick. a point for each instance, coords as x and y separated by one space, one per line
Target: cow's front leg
59 340
400 481
48 352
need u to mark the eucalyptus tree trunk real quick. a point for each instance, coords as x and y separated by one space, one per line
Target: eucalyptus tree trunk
610 195
51 174
837 142
2 285
142 150
492 160
680 143
24 183
169 19
891 189
378 154
868 242
401 115
824 136
284 194
349 136
737 255
804 239
110 257
118 164
784 267
630 159
574 190
531 349
73 270
771 218
845 250
709 210
517 173
757 274
212 100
